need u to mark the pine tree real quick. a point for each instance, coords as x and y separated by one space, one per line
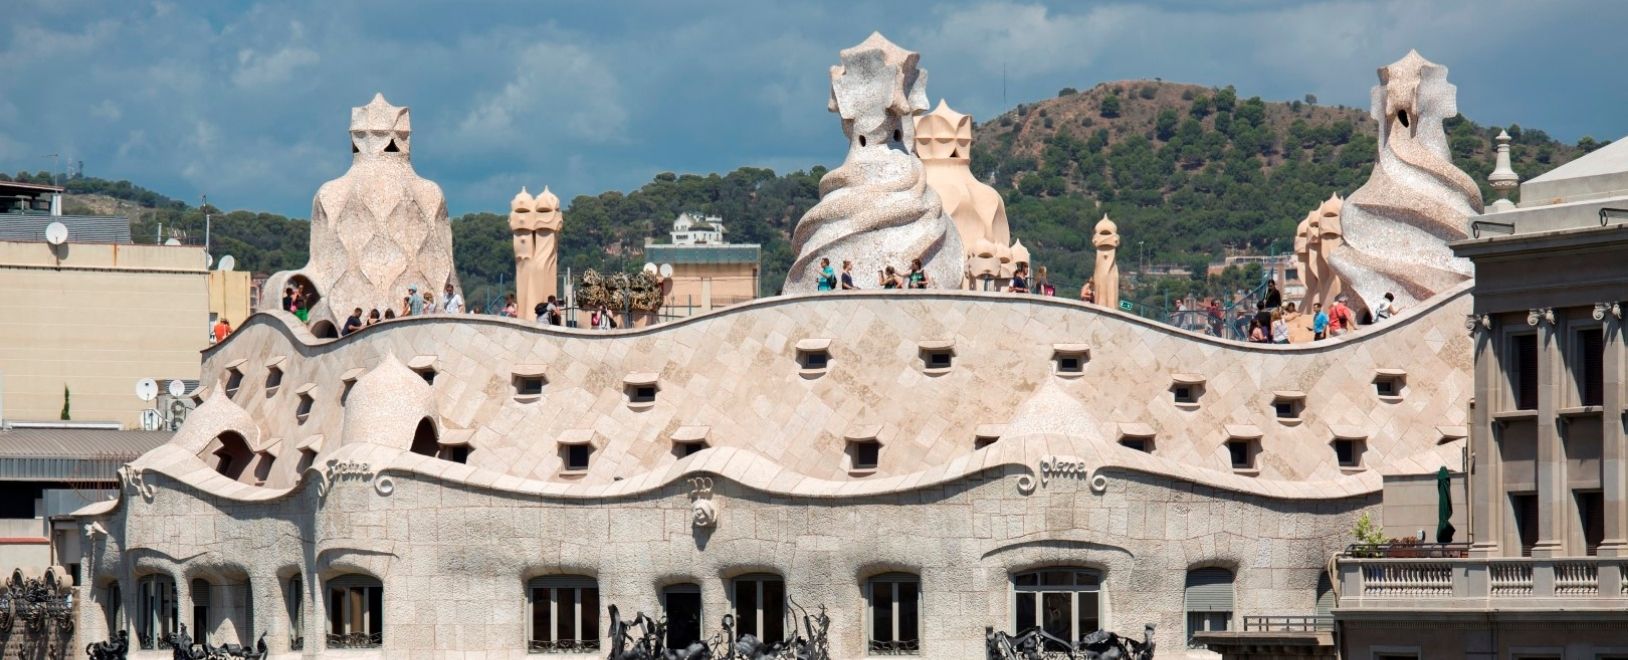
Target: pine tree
65 399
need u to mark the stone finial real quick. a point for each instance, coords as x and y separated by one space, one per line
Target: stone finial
944 144
1020 254
379 127
1503 178
521 203
944 134
877 84
547 201
1396 228
1105 277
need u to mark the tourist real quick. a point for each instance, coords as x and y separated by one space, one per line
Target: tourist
602 318
1043 283
302 304
406 307
429 303
541 312
889 278
454 302
373 317
1274 298
1020 279
1088 292
223 328
848 275
1217 317
1319 323
352 324
1240 322
1280 328
511 309
549 311
288 299
828 279
1340 319
1386 308
917 277
1256 335
1263 316
415 302
389 314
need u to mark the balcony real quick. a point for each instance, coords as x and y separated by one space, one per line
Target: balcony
1436 582
1273 637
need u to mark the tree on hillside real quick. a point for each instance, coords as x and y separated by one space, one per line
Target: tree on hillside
1110 106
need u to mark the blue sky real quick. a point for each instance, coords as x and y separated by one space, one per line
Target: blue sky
249 102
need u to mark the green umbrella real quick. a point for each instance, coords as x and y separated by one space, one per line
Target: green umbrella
1444 506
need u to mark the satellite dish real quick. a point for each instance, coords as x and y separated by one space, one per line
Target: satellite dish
173 242
227 263
209 260
56 233
177 388
650 268
146 389
666 270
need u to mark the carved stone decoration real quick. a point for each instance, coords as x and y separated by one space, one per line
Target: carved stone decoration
645 638
376 230
134 480
876 209
1105 279
1037 643
1397 226
944 144
1303 256
1603 309
1328 236
1539 315
339 470
704 513
536 223
113 649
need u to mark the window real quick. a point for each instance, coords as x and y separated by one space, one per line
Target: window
982 441
426 442
575 457
1069 359
1065 602
895 614
564 614
528 386
1185 394
1209 601
684 616
1591 516
274 379
682 448
231 454
294 600
937 359
234 381
1348 452
303 412
1525 506
1523 364
760 606
1144 445
1069 364
864 454
457 454
1589 368
813 359
424 366
1242 453
643 394
201 624
1287 406
156 614
355 612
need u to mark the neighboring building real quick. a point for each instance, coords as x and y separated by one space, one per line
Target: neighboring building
231 296
706 272
93 316
691 230
1541 570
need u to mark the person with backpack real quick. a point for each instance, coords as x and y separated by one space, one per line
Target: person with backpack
828 279
917 277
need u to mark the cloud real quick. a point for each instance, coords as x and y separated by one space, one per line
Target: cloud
258 70
557 88
107 109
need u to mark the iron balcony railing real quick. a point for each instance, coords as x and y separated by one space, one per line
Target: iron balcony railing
1407 551
1316 623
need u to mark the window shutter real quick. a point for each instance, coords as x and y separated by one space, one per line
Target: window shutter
200 593
1325 595
1209 590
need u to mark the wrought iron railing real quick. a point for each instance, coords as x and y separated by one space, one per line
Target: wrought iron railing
562 646
296 643
1315 623
898 647
356 640
1406 551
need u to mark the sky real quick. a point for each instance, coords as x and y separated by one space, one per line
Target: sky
249 102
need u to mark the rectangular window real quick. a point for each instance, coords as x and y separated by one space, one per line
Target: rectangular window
576 457
1238 450
1590 367
564 615
157 611
1139 444
1198 622
1525 507
1591 515
760 607
528 385
355 612
1345 452
1525 378
683 604
895 617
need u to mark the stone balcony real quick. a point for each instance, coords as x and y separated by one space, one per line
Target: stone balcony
1452 583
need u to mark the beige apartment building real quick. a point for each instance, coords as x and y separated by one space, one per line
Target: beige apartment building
94 317
706 276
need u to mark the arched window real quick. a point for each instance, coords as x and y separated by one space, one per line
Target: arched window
355 612
294 598
895 613
232 455
426 442
156 614
682 603
1064 602
564 614
1209 601
760 606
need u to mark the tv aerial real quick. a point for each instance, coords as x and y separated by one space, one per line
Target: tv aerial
177 388
147 389
56 233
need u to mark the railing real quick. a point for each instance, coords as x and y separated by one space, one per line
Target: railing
562 646
1418 580
356 641
1509 579
901 647
1406 551
1577 579
1318 623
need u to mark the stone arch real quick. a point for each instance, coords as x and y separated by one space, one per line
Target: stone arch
230 454
426 439
324 329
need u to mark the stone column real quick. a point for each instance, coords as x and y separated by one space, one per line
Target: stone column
1551 455
1486 477
1614 445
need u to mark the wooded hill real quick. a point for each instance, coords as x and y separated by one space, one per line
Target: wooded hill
1189 173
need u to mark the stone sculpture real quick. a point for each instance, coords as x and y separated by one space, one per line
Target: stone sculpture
1105 279
1303 257
1323 238
536 225
1036 643
944 144
650 640
113 649
1397 226
376 230
876 208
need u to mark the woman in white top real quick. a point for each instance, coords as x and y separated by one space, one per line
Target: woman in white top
1280 328
1386 308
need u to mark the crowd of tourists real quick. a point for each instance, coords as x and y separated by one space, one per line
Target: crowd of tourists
1272 321
916 277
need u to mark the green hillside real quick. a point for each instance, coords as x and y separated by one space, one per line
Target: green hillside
1189 173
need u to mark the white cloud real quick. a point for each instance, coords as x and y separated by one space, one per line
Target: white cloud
257 70
107 109
558 89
